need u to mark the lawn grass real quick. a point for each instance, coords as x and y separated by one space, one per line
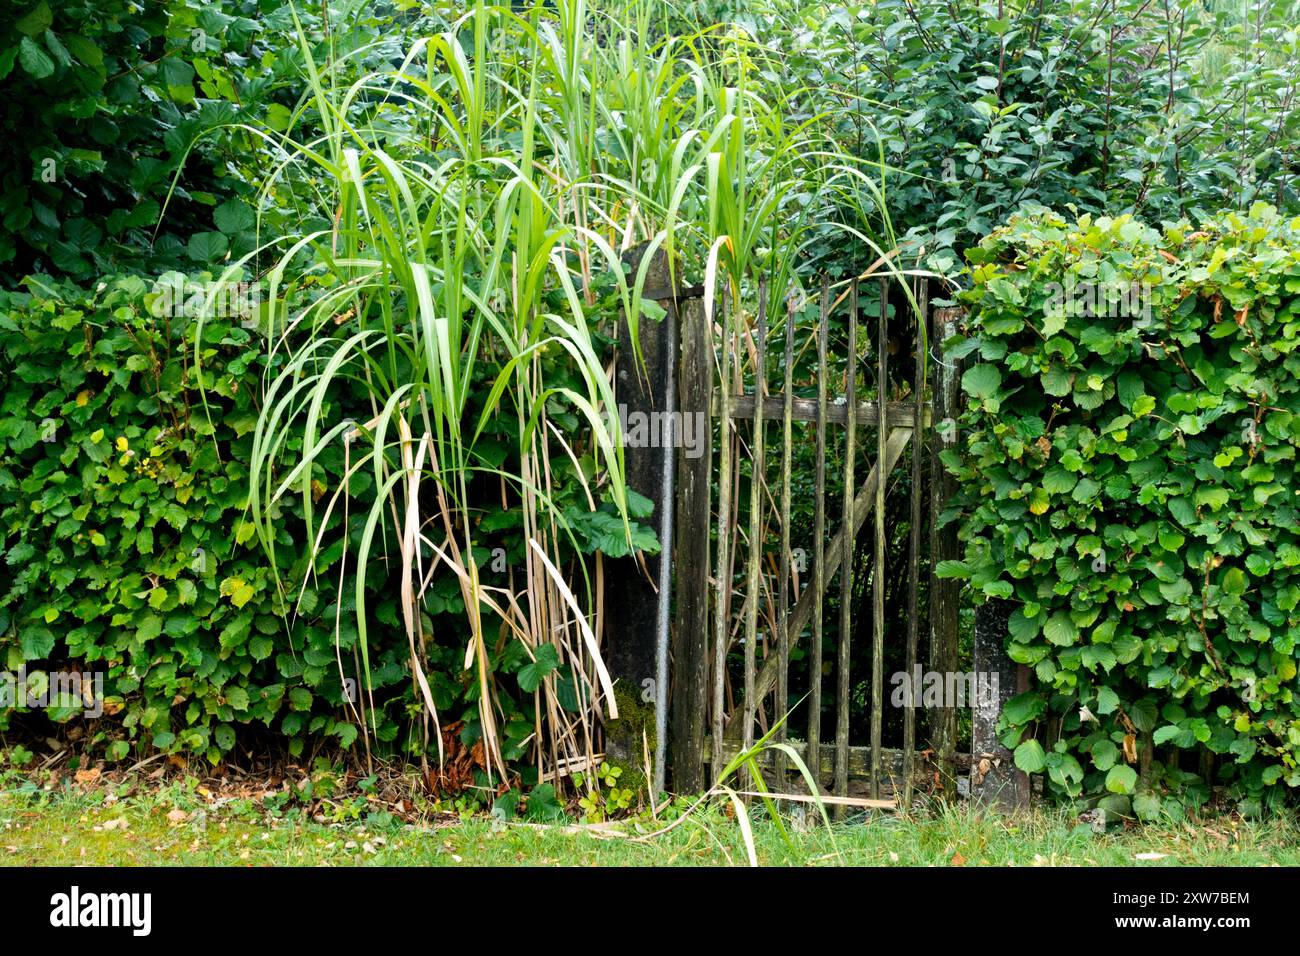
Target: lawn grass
178 825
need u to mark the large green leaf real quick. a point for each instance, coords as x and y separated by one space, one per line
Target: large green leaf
981 381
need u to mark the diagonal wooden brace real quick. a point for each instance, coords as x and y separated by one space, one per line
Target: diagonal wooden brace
863 504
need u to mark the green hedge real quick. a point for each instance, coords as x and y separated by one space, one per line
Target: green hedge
122 542
124 545
1128 479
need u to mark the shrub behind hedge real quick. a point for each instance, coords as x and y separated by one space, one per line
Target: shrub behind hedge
1128 479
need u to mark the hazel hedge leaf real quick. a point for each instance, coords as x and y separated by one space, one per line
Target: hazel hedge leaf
1128 479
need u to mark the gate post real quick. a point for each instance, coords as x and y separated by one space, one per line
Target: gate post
637 600
945 593
691 560
994 777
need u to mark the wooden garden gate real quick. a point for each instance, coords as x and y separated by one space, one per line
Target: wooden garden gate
730 677
718 609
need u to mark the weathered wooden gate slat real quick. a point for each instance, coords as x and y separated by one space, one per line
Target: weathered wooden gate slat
878 561
819 547
758 472
722 607
844 686
783 580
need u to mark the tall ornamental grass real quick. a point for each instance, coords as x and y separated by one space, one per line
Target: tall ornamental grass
460 217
